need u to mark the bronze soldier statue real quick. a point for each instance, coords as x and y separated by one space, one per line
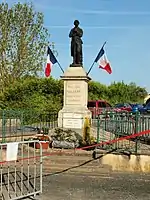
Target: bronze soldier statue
76 43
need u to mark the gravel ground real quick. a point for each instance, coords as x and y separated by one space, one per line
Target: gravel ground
69 186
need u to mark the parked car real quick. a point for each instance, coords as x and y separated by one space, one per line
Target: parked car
98 106
132 104
147 108
138 108
124 107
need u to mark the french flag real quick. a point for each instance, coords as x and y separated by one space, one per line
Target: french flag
103 62
51 60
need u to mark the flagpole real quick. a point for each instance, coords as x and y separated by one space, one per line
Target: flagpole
94 61
56 60
60 66
91 68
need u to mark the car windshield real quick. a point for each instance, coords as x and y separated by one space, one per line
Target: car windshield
138 105
91 104
119 105
148 105
133 105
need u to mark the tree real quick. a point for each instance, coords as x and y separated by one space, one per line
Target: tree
46 94
40 94
23 41
97 91
121 92
117 92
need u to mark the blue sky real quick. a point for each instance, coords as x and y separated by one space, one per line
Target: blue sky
124 24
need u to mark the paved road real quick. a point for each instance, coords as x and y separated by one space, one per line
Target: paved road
69 186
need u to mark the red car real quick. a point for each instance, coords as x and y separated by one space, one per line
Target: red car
123 107
98 106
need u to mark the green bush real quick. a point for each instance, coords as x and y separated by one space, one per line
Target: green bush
45 95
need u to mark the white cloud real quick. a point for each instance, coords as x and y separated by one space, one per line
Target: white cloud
45 6
107 12
57 27
94 12
87 45
97 27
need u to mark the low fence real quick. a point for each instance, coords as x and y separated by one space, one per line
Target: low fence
21 170
111 126
16 124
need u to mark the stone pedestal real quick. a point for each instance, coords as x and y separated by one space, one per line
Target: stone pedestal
75 99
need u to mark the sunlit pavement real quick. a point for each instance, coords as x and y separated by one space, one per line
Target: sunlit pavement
118 186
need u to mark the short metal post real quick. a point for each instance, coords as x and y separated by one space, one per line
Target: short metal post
136 131
98 130
3 127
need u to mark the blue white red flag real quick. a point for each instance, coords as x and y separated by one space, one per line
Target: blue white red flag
102 60
51 60
104 64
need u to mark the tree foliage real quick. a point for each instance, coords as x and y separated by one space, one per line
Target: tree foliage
34 93
46 95
23 41
117 92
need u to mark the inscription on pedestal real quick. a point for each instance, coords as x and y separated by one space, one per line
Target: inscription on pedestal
73 93
72 120
72 123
